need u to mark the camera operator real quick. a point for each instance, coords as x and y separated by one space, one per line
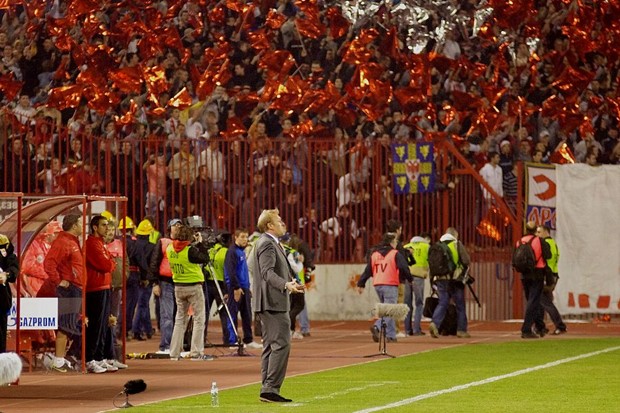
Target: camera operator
186 253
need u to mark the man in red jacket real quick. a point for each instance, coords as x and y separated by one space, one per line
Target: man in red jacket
65 271
99 266
32 269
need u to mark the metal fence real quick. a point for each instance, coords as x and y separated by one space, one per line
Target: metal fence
336 194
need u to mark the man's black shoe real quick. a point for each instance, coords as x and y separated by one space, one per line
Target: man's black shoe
375 333
273 398
529 335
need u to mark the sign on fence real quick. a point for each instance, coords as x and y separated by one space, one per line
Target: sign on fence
413 168
35 314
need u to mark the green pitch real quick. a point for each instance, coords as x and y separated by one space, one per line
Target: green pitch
577 375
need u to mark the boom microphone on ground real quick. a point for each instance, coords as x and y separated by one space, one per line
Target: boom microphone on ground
131 387
395 311
134 386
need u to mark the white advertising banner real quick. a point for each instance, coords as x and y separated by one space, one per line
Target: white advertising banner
588 237
35 314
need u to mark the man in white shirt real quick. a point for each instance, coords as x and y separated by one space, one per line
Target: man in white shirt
492 173
346 190
193 127
213 159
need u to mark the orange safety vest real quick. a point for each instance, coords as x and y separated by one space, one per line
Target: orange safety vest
384 269
537 247
164 265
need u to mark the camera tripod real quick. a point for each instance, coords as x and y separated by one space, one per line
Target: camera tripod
239 344
382 341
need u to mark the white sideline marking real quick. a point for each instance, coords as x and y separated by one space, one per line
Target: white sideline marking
353 389
486 381
343 392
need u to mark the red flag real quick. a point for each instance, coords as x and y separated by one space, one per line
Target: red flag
129 117
390 44
259 39
64 97
277 61
181 100
155 79
573 82
562 155
10 86
275 20
308 22
338 25
234 127
127 79
411 99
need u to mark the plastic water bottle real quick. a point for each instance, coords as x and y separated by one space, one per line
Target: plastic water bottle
215 395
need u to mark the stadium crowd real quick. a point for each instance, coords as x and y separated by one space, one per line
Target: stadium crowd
202 99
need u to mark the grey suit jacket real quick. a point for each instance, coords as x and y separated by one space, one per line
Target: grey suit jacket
271 272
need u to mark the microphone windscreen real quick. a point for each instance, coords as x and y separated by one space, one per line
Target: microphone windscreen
395 311
10 368
135 386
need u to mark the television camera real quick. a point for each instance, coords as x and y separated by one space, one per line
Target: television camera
209 236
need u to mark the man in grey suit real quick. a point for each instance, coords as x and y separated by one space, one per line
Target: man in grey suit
273 281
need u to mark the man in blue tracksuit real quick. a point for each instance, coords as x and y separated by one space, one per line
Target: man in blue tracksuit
237 277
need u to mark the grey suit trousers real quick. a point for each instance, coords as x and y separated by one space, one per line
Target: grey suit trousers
276 349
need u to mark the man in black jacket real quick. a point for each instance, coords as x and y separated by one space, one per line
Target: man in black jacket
387 266
9 266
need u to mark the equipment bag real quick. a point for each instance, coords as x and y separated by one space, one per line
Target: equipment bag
448 325
523 258
440 260
430 303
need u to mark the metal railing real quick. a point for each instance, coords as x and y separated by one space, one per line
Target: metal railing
336 195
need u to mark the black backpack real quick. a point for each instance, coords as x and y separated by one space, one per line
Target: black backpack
440 260
523 258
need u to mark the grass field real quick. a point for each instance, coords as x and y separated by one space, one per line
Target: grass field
571 375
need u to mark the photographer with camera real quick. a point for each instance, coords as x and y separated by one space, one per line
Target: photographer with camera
451 286
186 253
